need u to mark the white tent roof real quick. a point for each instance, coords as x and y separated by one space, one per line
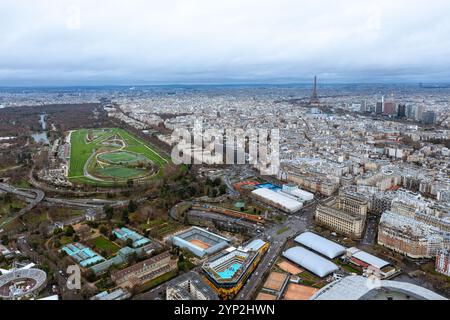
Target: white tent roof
311 261
303 194
368 258
321 245
276 197
255 245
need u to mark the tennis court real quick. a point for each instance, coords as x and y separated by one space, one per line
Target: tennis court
298 292
290 268
275 281
200 244
265 297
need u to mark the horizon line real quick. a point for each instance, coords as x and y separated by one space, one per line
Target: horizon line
217 84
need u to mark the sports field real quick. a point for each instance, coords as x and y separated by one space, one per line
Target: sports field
289 267
105 156
102 244
299 293
200 244
121 156
275 281
120 172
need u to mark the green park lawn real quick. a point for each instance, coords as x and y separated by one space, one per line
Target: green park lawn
121 156
101 244
121 173
83 151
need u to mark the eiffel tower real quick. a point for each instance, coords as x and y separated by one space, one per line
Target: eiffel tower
314 98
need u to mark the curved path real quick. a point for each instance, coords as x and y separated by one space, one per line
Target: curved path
37 198
96 155
86 171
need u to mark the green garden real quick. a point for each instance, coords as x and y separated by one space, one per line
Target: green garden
103 245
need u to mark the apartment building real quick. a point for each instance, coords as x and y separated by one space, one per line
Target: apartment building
443 262
190 286
142 272
411 237
314 183
345 215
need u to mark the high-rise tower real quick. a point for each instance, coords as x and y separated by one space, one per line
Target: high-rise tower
314 98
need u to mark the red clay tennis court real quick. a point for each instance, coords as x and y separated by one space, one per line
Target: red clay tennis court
290 268
265 297
275 281
240 186
299 292
200 244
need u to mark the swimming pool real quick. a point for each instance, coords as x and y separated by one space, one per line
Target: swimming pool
269 186
230 272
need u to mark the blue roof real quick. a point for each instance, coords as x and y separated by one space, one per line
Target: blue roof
268 186
90 261
82 254
125 234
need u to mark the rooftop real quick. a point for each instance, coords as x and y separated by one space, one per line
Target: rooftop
278 198
321 245
360 288
368 258
194 279
311 261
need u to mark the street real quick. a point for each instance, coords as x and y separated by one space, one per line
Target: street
370 231
297 224
25 248
35 196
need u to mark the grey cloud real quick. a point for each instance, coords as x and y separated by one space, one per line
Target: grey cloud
113 41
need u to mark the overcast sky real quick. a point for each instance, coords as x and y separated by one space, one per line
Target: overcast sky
50 42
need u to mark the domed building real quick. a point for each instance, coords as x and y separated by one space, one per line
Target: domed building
360 288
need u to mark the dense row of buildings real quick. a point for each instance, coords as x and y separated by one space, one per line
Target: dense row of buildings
402 111
415 226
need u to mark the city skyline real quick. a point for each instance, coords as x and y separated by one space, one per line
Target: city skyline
242 150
